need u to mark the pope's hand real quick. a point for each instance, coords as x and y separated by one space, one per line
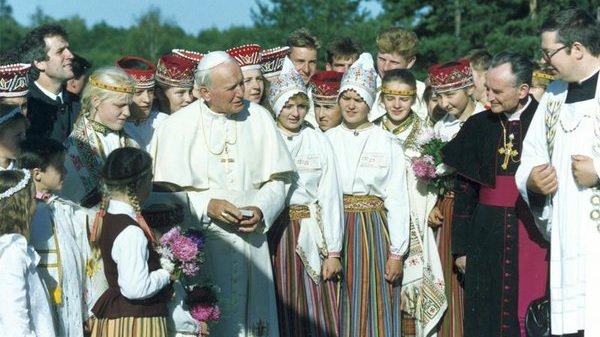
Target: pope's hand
249 224
583 170
224 211
542 179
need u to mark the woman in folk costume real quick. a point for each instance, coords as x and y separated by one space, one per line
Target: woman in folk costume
424 299
306 240
59 234
24 304
248 58
174 82
373 176
143 119
135 303
452 83
324 87
98 131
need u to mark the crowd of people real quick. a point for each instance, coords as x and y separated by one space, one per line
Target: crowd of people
351 201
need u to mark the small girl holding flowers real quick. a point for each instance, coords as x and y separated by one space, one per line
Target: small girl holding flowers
135 303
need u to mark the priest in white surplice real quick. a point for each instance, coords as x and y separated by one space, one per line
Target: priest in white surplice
228 154
559 170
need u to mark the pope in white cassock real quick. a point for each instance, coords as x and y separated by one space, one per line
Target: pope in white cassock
228 155
559 170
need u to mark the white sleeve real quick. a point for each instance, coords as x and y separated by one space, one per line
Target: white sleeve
270 198
396 201
534 153
331 201
14 308
130 253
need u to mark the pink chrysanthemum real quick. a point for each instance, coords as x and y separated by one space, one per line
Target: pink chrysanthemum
423 168
184 249
169 236
203 313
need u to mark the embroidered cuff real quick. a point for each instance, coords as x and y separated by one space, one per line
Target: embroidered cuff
333 254
396 256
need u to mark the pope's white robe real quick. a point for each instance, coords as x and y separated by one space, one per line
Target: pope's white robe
316 182
574 237
240 158
371 162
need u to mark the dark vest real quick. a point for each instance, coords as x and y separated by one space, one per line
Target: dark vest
112 304
48 118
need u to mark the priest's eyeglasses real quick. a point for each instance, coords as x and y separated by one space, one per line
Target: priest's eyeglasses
549 55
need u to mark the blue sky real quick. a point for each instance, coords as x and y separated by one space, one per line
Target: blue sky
191 15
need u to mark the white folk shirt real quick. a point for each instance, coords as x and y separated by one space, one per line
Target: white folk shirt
130 253
317 182
574 238
24 304
64 267
142 131
240 158
371 162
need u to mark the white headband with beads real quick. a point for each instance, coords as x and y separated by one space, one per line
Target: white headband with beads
21 185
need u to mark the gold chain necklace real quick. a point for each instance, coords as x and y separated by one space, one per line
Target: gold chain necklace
508 148
225 140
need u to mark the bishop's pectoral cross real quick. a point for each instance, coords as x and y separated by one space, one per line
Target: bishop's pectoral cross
508 152
226 160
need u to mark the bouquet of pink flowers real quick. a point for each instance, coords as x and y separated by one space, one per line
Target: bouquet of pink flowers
202 303
426 161
182 251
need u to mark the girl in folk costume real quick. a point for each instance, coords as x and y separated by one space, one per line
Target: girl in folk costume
248 58
98 131
174 82
24 304
373 176
13 127
324 88
452 82
307 238
59 236
135 303
143 119
423 296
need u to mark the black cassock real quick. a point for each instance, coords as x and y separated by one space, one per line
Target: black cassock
487 214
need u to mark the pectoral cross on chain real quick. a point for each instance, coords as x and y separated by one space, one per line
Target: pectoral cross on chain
508 152
227 160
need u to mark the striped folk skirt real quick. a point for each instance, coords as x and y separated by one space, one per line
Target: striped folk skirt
369 305
305 309
130 327
452 322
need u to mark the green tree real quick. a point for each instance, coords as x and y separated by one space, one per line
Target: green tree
325 19
11 32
